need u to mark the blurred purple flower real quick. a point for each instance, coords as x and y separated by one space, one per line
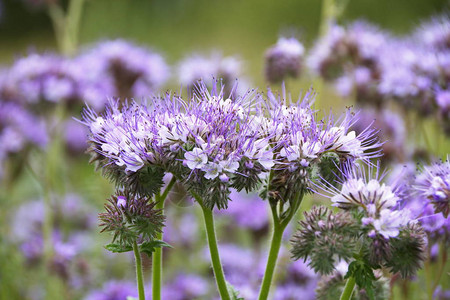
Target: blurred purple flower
284 59
114 290
119 68
247 210
185 286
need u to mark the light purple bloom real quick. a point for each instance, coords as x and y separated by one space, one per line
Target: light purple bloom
114 290
433 185
186 286
284 59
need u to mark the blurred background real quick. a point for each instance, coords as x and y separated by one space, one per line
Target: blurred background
50 195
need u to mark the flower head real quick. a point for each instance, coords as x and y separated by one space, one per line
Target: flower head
284 59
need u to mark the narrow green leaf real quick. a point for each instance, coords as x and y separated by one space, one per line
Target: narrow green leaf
150 247
118 248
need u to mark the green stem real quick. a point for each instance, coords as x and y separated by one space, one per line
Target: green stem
157 255
271 261
139 275
328 15
213 249
348 289
443 251
280 222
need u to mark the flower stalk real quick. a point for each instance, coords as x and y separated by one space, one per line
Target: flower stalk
157 255
139 274
348 289
280 222
213 249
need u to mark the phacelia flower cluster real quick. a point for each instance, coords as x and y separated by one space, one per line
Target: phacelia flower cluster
212 143
371 218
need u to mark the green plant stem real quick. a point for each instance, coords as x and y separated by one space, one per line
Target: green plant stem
66 25
157 255
280 222
271 261
139 274
443 251
213 249
348 289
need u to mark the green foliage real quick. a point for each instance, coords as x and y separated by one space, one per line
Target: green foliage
407 251
145 182
363 275
150 247
118 248
328 167
137 220
323 237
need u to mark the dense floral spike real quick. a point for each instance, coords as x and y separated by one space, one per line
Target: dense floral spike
323 236
120 68
433 184
131 219
284 59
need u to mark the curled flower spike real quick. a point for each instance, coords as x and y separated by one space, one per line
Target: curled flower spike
131 219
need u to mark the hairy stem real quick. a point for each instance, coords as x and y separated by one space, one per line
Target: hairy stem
213 249
271 261
348 289
279 225
139 274
157 255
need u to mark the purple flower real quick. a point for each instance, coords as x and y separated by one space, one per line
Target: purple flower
284 59
201 67
363 190
75 136
435 33
120 68
114 290
433 185
247 211
391 129
39 77
344 49
186 286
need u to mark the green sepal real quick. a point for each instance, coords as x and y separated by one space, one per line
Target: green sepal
118 248
150 247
